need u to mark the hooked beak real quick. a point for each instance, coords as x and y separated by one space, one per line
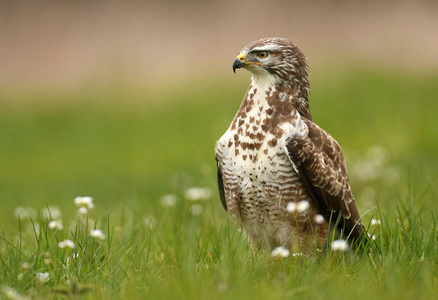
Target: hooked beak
239 62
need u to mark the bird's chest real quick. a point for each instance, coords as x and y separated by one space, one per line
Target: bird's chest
258 177
252 153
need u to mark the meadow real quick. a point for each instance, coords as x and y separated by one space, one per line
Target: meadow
139 150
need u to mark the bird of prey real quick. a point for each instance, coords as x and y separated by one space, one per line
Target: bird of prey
280 176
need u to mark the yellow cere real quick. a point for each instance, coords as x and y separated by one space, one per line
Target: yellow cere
241 57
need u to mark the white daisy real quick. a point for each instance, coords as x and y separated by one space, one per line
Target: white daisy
52 212
339 245
303 206
24 212
168 200
280 252
42 277
375 222
25 265
319 219
66 244
86 202
198 193
98 234
291 207
56 225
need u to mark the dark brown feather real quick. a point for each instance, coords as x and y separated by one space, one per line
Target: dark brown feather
321 167
220 185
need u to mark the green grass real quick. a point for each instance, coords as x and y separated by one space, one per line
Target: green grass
127 147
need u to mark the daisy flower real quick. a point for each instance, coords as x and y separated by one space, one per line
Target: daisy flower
42 277
86 202
98 234
198 193
280 252
66 244
339 245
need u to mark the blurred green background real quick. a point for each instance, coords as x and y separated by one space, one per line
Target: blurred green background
123 101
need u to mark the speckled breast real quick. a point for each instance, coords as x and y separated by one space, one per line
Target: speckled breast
258 177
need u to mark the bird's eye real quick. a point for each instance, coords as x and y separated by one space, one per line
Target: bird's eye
263 54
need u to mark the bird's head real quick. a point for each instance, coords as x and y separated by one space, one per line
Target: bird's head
274 60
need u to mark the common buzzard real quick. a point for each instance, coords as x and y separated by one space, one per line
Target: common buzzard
280 176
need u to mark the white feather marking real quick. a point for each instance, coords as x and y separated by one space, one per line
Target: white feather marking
291 130
288 156
263 80
268 47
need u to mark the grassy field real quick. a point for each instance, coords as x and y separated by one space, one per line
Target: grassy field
134 149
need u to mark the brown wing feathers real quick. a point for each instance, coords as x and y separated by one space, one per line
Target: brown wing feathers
322 169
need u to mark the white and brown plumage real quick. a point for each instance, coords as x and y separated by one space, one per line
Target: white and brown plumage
273 155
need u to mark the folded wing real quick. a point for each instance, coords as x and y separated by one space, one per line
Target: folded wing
320 164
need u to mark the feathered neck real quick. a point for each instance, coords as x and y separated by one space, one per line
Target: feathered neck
294 91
